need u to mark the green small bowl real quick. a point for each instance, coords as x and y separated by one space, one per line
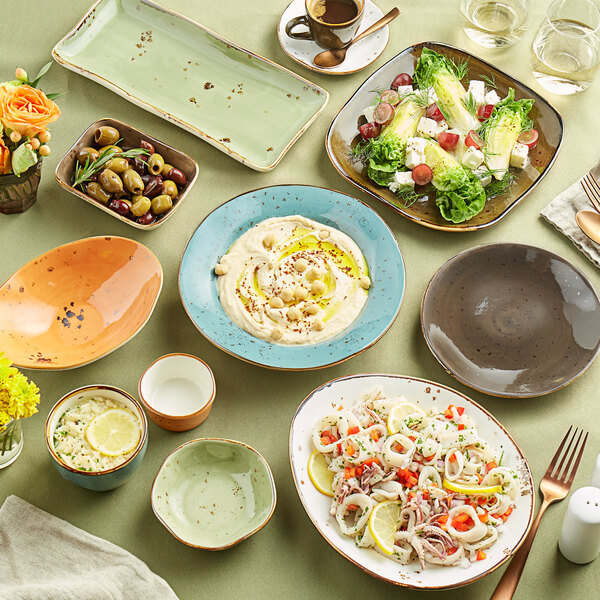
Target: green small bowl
213 493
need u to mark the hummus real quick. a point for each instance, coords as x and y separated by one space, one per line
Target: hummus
291 280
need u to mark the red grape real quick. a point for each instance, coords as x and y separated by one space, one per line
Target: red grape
402 79
369 130
447 140
529 138
484 111
422 174
383 113
474 139
433 112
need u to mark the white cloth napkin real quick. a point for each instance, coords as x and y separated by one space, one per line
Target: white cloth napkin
43 557
561 213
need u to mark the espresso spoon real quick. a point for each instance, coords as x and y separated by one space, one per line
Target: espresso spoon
589 223
333 58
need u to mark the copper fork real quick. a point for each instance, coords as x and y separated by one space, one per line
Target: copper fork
591 187
554 486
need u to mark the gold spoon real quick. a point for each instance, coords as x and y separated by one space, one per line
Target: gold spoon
589 223
333 58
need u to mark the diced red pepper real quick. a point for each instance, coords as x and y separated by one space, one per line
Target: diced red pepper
425 494
460 410
399 448
339 448
350 450
375 436
358 471
461 427
325 440
412 438
349 472
448 412
481 555
452 550
352 507
481 500
371 461
353 430
452 457
491 465
483 517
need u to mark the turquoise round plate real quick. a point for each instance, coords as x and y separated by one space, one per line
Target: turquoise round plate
221 228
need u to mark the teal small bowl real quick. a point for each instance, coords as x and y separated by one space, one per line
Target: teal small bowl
213 493
97 481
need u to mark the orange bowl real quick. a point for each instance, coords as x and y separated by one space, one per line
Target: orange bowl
78 302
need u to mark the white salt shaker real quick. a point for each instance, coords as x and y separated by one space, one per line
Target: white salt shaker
596 474
580 536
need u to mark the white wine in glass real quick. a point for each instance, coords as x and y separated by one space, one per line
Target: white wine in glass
494 24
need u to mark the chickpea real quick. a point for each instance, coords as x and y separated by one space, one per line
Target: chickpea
300 293
287 295
293 314
220 269
319 325
312 308
276 302
301 265
364 282
323 234
317 287
276 333
313 273
269 240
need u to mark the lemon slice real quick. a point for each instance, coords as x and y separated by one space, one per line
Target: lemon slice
383 524
319 474
464 488
398 412
114 432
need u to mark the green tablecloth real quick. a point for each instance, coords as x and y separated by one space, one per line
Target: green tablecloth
288 558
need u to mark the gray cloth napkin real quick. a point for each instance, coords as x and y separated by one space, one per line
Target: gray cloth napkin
43 557
561 213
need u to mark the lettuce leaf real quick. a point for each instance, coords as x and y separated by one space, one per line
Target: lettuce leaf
464 202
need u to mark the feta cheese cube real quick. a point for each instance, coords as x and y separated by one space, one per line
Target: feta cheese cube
472 158
417 144
427 127
492 97
413 159
402 179
405 89
484 175
477 88
441 127
518 156
369 113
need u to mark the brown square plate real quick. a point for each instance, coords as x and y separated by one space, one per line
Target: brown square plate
131 138
344 128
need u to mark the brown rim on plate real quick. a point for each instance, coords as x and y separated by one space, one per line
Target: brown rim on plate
467 399
468 382
177 121
68 396
245 536
272 368
428 215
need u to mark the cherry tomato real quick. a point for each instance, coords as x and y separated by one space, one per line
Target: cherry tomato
484 111
529 138
369 130
447 140
383 113
422 174
474 139
433 112
402 79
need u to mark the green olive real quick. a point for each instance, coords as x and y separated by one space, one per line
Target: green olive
141 205
133 182
166 169
170 189
106 136
118 165
117 148
97 192
155 164
110 181
84 153
161 204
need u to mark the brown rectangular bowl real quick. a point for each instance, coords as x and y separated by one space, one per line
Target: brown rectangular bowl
131 137
344 130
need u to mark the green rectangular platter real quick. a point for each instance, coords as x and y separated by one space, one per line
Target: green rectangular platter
243 104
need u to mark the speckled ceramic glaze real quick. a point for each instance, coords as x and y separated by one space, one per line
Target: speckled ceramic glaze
216 234
427 394
78 302
100 481
246 106
213 493
131 137
344 129
359 56
511 320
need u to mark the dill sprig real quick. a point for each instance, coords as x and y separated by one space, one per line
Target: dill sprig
470 104
498 186
408 195
84 172
490 80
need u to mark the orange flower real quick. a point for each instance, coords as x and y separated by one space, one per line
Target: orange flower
26 110
5 164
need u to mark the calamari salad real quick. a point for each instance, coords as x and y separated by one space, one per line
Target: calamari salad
427 128
411 483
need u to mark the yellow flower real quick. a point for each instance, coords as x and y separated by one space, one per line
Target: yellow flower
18 397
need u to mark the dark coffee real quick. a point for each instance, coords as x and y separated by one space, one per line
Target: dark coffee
335 11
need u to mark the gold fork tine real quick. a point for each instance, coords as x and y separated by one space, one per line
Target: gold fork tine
590 192
594 183
557 454
560 473
576 465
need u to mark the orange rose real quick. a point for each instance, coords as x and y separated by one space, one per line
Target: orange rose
26 110
5 164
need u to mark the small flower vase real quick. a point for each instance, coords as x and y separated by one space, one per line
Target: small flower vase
11 442
17 194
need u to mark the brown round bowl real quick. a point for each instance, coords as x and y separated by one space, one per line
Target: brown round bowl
511 320
178 391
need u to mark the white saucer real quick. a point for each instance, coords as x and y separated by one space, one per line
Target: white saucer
359 55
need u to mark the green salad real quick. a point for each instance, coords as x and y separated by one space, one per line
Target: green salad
428 128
